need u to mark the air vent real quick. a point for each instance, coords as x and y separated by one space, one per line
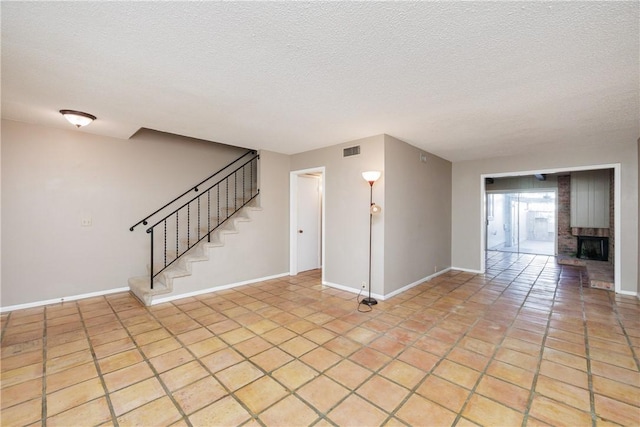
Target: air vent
351 151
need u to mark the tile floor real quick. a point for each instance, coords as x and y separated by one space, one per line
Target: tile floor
523 344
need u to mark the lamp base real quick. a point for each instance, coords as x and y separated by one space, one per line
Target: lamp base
369 301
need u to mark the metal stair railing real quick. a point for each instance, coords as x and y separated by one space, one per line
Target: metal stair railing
196 219
195 188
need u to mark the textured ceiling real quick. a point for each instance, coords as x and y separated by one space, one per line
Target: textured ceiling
462 80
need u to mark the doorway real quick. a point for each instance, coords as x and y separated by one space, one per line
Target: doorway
306 221
521 222
617 190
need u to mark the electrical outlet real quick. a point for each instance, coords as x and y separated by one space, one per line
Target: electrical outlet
435 268
364 285
85 222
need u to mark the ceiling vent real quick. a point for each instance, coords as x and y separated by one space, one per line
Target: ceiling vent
351 151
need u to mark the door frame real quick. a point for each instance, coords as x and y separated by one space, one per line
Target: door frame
617 269
293 218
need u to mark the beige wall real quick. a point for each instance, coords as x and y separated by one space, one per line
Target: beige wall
347 211
467 199
261 246
411 237
53 178
1 220
418 215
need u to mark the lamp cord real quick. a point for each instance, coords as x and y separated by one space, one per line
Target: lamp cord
361 303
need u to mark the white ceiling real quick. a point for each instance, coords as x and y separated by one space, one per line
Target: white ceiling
462 80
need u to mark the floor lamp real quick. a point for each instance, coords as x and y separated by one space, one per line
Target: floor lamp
371 177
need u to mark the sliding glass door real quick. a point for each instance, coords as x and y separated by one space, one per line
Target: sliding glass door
522 222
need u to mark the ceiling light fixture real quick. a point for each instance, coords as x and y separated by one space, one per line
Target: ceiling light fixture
78 118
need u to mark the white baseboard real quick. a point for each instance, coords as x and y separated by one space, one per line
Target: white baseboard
416 283
365 293
387 296
126 289
62 299
216 288
467 270
629 293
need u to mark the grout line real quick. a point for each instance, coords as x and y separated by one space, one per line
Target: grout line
321 415
499 346
212 374
614 306
495 284
5 326
114 419
44 368
146 359
157 375
534 383
585 327
442 358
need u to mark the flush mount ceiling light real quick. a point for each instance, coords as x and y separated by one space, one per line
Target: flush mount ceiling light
78 118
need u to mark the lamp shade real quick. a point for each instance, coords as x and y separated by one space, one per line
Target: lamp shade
78 118
371 176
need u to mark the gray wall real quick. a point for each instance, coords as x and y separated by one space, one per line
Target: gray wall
411 237
260 248
269 245
52 178
418 215
347 211
467 199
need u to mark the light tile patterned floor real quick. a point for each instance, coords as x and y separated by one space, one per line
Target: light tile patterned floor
523 344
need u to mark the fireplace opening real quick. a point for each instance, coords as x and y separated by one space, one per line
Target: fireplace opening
593 248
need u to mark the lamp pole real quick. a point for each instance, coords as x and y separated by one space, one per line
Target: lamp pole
370 301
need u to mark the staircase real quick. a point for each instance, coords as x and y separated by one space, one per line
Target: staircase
190 233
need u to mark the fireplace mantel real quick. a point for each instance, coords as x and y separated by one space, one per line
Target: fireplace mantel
590 232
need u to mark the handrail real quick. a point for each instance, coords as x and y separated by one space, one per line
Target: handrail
143 221
221 180
206 197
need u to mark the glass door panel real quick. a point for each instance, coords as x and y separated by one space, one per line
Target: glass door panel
522 222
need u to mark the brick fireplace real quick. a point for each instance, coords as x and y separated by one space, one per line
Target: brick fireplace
586 243
567 242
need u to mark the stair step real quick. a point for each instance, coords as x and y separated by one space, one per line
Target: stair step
163 282
177 269
140 287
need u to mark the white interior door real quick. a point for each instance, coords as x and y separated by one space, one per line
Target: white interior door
308 220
